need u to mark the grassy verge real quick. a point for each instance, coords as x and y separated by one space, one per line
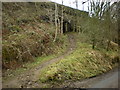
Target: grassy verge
84 62
10 73
28 66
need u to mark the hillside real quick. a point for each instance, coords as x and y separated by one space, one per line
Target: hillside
46 44
30 22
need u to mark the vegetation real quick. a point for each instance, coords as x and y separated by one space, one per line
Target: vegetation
84 62
27 37
35 32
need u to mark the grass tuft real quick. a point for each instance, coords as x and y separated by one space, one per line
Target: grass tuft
84 62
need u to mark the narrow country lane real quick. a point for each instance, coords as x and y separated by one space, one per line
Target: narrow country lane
109 80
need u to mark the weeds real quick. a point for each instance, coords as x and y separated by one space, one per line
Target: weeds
82 63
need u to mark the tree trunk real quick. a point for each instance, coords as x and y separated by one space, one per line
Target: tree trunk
62 19
108 45
56 16
93 43
76 16
59 31
66 27
36 7
93 46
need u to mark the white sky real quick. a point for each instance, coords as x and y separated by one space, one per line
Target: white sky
71 3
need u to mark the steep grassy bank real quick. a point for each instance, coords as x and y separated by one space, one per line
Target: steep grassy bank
84 62
29 43
28 34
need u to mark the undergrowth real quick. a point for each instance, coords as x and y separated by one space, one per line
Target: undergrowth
37 60
84 62
29 43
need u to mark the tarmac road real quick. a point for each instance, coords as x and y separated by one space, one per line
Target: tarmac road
110 80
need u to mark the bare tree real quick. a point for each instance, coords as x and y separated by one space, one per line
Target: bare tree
56 17
100 12
76 15
62 19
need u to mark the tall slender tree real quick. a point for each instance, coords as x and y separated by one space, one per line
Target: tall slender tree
62 19
56 26
76 15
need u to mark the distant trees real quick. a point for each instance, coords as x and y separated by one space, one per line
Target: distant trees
100 23
93 23
109 26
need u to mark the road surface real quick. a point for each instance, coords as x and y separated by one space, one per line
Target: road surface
109 80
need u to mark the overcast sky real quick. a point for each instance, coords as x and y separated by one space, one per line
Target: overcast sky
71 3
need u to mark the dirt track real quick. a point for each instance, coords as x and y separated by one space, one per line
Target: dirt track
28 79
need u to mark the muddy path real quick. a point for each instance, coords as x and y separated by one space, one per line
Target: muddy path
29 78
